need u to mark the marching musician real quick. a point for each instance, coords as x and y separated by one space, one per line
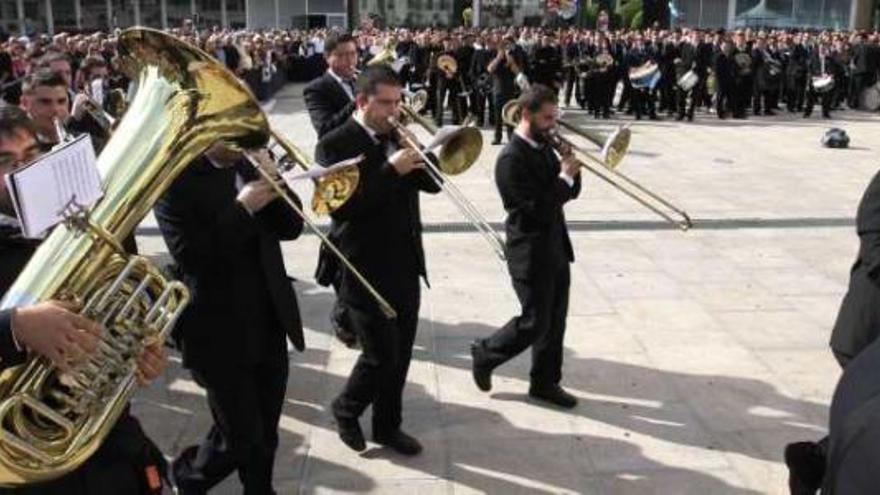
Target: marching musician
330 101
127 461
547 62
223 228
796 75
642 98
742 82
822 64
723 66
507 64
448 84
379 230
330 98
534 186
686 61
481 90
767 72
571 54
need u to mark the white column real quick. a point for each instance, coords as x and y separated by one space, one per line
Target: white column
163 13
137 11
277 14
77 12
50 18
192 8
478 4
731 13
19 6
224 18
110 14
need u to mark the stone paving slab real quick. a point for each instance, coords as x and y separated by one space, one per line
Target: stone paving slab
696 356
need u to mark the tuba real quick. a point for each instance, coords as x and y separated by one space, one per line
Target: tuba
53 421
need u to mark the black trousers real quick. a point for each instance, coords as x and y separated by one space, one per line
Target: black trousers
643 103
452 88
245 402
824 99
121 465
500 100
541 325
379 375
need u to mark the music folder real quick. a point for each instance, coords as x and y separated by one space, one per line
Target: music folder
44 190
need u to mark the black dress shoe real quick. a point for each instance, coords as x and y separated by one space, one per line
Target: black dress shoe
496 142
806 467
400 442
482 373
350 433
555 395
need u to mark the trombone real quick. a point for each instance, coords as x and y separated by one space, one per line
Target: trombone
613 149
461 150
332 190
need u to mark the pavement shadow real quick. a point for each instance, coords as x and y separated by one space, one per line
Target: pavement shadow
655 402
475 446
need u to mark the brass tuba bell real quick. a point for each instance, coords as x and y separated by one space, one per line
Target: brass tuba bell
52 421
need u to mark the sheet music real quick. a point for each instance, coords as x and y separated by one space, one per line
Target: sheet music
42 190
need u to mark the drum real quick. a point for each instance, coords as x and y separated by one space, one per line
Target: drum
688 81
870 98
823 84
644 76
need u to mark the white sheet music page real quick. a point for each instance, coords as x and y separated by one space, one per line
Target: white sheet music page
43 189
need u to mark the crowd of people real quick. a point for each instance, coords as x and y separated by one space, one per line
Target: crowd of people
223 223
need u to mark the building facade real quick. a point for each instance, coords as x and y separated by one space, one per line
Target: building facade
28 16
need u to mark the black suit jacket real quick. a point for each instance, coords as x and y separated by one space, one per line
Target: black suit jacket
858 321
15 252
242 301
328 104
533 195
379 229
854 428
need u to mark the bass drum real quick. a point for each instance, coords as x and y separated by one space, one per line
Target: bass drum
870 98
823 84
687 81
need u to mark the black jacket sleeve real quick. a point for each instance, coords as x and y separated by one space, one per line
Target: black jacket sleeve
321 110
521 192
10 355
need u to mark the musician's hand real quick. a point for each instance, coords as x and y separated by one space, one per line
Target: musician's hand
78 108
53 330
570 166
256 194
151 363
405 161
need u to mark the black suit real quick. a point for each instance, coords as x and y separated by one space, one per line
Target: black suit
858 321
379 230
118 466
233 332
328 104
539 251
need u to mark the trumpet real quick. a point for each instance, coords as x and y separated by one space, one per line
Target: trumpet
613 149
332 190
460 152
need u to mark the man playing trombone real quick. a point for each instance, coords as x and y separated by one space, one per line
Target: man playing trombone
379 230
534 185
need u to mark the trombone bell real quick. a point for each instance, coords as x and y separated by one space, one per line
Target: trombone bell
461 151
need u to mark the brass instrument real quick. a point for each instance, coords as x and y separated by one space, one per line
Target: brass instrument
332 190
416 100
53 421
614 147
447 64
460 152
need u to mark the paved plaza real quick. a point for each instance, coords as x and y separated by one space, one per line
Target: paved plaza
695 356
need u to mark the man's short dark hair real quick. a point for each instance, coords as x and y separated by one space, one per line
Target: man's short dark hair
368 81
92 62
46 60
13 120
536 97
335 39
43 77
